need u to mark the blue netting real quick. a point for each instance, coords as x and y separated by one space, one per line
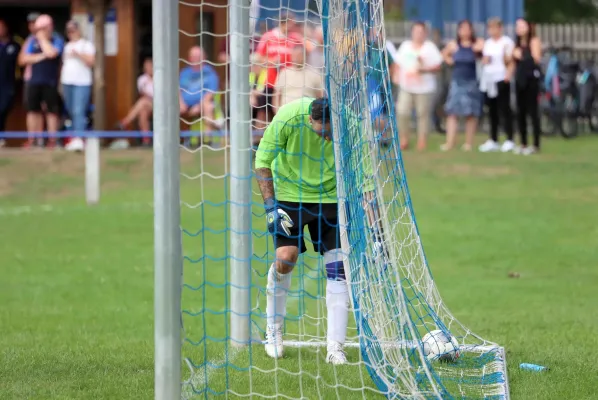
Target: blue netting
395 300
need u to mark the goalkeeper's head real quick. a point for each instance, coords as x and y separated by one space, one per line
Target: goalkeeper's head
319 117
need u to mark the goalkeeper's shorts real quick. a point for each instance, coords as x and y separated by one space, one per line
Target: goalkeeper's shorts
320 219
376 103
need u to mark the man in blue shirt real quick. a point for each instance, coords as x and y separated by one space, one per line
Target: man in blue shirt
44 55
9 52
199 83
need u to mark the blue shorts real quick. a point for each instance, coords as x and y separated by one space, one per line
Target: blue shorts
376 102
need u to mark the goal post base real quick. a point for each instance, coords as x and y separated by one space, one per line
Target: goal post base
464 348
497 368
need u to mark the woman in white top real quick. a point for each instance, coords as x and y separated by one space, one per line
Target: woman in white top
76 77
495 82
416 63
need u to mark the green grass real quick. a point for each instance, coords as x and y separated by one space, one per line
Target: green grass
76 287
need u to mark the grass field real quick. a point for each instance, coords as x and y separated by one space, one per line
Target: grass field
76 286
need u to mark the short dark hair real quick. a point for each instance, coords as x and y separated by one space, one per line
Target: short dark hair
319 110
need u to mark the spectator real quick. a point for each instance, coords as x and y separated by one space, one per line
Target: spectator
199 84
9 52
377 87
442 83
43 54
274 51
417 61
527 56
224 50
316 56
76 77
224 59
144 106
464 97
495 82
257 84
297 80
31 17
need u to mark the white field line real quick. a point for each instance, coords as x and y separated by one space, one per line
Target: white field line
199 377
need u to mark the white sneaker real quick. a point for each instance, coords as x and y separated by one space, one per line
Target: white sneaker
507 146
75 144
274 347
489 145
518 150
529 150
336 355
119 144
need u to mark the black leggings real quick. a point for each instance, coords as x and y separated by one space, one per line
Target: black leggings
527 105
500 111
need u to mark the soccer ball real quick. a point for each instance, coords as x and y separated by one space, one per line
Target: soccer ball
440 346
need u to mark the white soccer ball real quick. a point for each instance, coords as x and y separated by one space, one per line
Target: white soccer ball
440 346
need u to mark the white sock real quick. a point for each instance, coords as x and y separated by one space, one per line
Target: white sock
337 303
276 296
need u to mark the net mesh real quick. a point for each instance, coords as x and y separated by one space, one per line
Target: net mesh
394 299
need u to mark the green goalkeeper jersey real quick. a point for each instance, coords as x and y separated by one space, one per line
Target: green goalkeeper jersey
302 162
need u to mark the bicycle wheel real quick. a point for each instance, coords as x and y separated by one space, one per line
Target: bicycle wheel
568 124
549 124
593 118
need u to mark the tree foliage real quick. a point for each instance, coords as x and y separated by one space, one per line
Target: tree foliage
559 11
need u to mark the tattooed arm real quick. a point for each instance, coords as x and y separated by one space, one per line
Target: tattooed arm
272 143
265 182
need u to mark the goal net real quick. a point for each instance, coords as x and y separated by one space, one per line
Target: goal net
279 53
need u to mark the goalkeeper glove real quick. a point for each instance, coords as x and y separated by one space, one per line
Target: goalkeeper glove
378 248
279 222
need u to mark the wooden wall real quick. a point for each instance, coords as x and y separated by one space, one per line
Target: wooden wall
121 70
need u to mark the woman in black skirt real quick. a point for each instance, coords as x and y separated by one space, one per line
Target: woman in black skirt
527 55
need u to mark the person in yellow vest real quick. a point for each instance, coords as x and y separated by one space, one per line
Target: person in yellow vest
258 78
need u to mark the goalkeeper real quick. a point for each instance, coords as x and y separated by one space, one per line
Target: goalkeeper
297 178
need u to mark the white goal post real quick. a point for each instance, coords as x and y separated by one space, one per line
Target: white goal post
168 261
